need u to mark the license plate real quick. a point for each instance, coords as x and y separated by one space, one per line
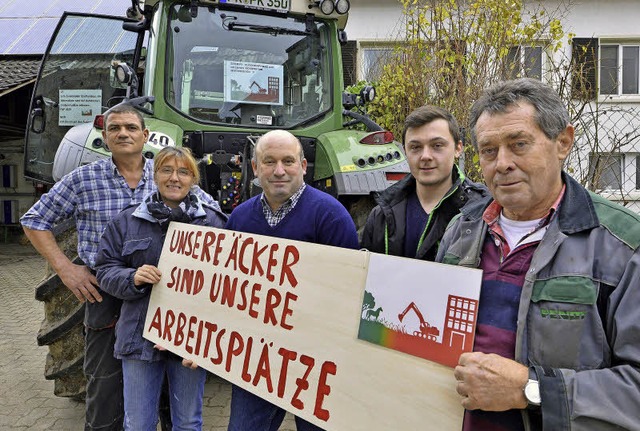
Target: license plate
271 5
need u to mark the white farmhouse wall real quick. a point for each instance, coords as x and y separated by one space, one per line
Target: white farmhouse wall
618 117
588 18
382 19
16 193
372 20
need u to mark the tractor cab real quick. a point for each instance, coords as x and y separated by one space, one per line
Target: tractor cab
211 75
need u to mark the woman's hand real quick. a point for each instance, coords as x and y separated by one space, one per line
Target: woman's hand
185 362
146 274
189 364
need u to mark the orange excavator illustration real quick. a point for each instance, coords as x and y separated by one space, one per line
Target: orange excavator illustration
426 331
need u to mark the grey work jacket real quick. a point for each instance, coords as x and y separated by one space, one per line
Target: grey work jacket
579 312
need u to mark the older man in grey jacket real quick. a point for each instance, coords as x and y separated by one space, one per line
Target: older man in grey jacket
557 343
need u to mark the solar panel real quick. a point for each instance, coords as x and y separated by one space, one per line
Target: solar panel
27 29
33 37
16 8
84 37
12 29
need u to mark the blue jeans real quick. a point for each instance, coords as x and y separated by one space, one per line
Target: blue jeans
142 386
249 412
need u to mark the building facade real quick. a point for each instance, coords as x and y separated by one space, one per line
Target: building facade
604 54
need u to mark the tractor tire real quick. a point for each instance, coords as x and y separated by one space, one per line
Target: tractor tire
62 329
359 208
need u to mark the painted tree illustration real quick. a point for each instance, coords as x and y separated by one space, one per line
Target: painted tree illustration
368 302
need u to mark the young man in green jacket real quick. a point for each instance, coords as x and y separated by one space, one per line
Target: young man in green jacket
411 215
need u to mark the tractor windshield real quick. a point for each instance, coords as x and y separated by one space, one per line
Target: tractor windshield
247 69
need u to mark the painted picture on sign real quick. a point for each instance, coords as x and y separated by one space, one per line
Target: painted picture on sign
257 83
434 321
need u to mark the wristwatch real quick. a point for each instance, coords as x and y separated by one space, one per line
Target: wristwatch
532 393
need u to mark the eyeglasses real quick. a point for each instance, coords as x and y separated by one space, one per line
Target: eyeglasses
168 171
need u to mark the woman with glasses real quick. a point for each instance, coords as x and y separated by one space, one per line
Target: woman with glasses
127 268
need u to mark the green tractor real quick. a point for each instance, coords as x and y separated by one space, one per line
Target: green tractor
212 75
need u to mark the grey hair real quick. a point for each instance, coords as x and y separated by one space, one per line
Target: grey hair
551 114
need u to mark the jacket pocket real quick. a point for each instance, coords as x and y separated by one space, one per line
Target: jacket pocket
131 246
450 259
564 327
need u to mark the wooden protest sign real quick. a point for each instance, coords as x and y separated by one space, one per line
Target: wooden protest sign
281 319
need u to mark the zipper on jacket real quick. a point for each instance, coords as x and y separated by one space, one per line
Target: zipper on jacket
461 178
426 228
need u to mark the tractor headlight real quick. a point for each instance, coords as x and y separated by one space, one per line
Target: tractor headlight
342 6
326 6
124 73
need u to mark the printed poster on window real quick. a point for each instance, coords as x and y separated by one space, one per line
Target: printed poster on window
257 83
282 319
79 106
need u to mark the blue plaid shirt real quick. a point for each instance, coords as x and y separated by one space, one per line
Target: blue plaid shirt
92 194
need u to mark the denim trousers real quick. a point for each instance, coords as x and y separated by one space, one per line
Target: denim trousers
104 405
249 412
142 386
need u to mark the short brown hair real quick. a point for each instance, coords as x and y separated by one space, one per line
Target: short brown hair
124 108
180 153
427 114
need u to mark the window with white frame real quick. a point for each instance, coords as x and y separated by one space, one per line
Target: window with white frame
605 171
525 61
373 60
619 69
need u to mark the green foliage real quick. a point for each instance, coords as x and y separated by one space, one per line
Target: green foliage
358 86
452 50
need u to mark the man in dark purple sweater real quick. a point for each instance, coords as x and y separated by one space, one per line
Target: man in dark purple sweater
287 208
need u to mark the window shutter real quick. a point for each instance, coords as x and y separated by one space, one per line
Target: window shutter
584 57
349 62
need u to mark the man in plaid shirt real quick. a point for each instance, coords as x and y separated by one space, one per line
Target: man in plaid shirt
92 195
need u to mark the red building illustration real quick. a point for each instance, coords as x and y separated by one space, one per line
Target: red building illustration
274 86
459 327
416 336
261 94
